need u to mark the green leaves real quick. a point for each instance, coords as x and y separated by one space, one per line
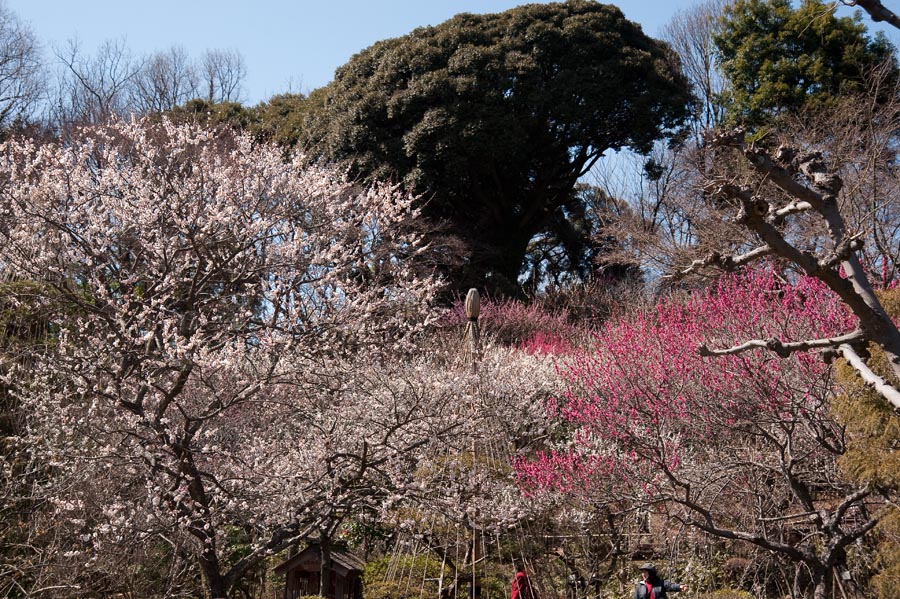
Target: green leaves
493 117
779 58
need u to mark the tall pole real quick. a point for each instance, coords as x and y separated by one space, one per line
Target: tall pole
473 334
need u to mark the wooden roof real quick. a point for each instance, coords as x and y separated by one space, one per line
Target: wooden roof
308 560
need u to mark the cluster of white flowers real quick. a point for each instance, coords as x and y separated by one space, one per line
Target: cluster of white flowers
230 351
201 292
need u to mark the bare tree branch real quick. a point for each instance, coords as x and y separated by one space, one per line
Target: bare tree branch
223 73
885 389
167 79
91 89
21 71
878 11
785 349
806 178
725 262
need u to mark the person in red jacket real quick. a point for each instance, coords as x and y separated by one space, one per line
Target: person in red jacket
521 586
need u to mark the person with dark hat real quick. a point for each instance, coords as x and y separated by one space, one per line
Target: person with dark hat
653 587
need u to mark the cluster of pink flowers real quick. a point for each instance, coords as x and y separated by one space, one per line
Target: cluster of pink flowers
516 323
642 397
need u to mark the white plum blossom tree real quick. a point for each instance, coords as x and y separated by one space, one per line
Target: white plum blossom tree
216 315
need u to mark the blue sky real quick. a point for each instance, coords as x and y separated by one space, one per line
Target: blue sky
288 46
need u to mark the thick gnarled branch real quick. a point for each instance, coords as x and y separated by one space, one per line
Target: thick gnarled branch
785 349
877 383
878 11
813 189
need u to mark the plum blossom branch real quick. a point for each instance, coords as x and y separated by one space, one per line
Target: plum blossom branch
195 283
647 412
784 349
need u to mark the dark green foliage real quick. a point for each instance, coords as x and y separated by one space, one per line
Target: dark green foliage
280 120
213 114
495 117
779 58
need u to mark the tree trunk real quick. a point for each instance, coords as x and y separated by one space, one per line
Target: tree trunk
215 582
511 247
820 583
876 323
324 569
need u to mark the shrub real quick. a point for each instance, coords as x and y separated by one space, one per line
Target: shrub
403 577
513 323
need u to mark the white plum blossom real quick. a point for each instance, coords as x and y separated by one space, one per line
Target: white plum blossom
208 302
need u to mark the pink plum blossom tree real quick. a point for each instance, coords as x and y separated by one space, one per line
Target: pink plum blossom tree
740 446
219 316
794 210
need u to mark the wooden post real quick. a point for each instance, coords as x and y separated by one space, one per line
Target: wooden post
473 308
473 333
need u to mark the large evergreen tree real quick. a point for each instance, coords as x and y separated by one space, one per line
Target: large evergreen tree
495 117
778 58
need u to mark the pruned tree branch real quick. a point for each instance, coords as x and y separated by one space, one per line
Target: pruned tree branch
792 208
877 383
725 262
785 349
779 170
814 188
878 11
